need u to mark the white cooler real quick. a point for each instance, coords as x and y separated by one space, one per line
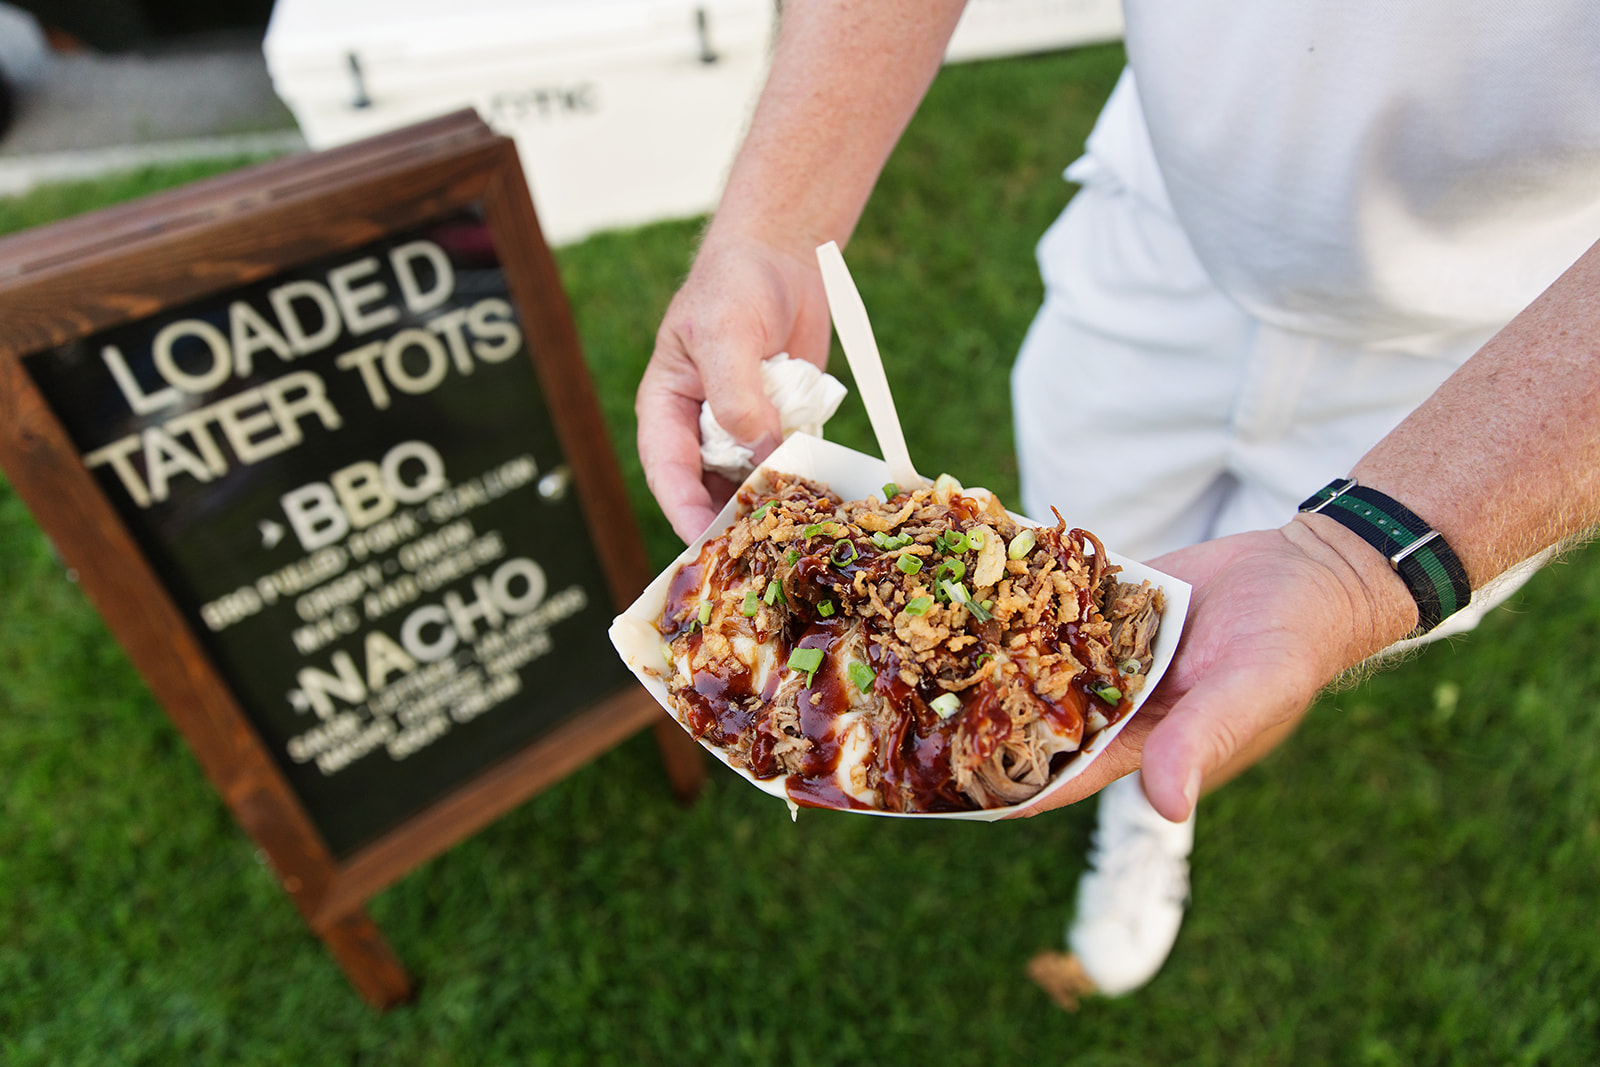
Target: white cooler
624 111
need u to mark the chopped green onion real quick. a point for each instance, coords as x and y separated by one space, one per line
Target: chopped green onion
919 605
975 539
1109 693
950 568
958 593
880 540
837 556
988 605
705 612
1022 544
793 557
861 675
890 491
762 510
1130 666
945 704
909 564
899 541
752 603
953 542
813 530
807 660
825 608
985 658
774 592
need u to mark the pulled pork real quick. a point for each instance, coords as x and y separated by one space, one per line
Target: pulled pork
919 653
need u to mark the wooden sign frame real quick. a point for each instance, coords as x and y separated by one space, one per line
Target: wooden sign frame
82 276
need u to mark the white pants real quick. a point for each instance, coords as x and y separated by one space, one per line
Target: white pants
1152 409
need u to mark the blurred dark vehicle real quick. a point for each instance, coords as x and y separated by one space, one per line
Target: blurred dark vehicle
22 57
126 25
29 29
132 24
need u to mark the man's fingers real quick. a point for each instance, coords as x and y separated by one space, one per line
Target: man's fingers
688 506
669 448
739 401
1232 704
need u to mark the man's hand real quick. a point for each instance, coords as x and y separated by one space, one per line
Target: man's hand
1275 616
845 78
744 301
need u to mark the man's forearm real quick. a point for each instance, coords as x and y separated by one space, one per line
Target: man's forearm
846 78
1504 459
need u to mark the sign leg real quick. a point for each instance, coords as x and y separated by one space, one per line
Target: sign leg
358 945
686 767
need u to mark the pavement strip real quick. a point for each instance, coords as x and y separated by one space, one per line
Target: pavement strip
18 174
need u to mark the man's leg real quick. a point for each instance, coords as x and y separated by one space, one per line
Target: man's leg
1124 394
1152 410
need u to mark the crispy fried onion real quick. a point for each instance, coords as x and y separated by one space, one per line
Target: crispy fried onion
922 653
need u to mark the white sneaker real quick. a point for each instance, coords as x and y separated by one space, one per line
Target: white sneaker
1131 899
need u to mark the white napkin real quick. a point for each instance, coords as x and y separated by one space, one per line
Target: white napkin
805 398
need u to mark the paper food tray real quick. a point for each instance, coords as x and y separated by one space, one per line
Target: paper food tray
854 476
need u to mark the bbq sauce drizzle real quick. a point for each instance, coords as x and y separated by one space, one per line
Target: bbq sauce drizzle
913 753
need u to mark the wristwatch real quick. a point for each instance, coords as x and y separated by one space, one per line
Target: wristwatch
1417 552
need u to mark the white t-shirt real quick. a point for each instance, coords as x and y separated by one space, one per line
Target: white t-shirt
1393 173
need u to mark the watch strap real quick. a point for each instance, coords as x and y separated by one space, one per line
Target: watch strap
1416 551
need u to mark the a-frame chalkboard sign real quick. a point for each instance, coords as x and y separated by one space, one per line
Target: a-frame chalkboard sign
319 442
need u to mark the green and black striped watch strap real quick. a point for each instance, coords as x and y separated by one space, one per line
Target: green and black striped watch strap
1415 550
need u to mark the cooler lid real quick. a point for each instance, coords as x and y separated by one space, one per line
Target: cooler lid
320 35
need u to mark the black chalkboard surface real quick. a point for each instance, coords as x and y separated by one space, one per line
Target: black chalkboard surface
347 476
319 442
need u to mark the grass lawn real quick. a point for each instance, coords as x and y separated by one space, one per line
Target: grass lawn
1412 880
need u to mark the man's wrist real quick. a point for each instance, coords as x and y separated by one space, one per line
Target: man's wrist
1415 550
1382 608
